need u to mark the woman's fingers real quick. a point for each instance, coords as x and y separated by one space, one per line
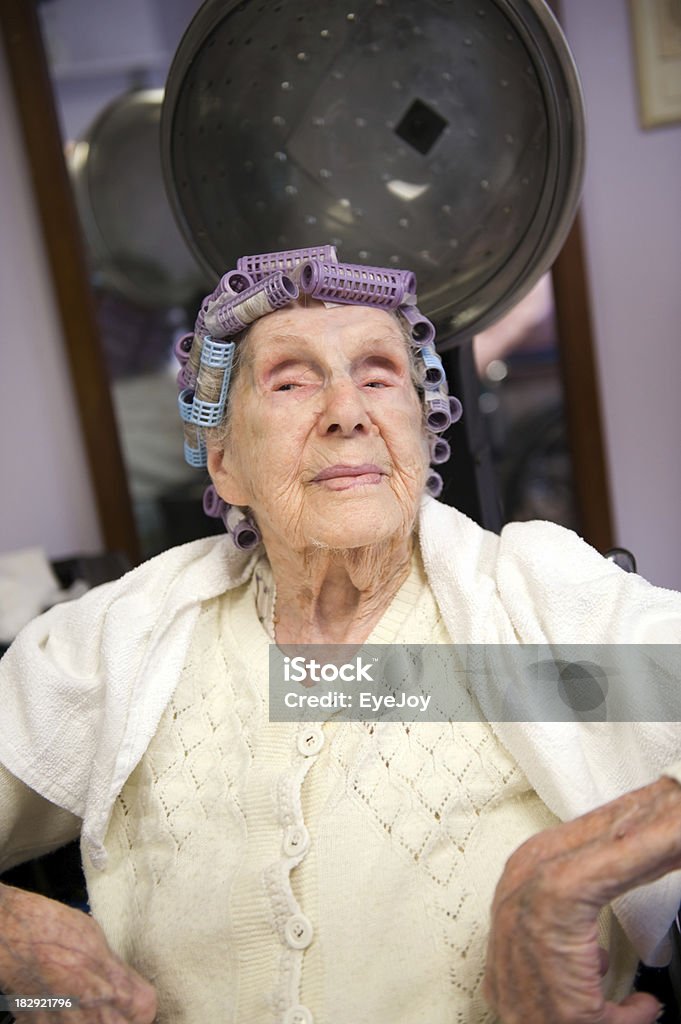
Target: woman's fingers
639 1008
544 962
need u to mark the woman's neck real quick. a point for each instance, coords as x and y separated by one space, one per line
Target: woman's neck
327 596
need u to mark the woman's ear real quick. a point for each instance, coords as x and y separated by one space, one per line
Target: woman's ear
227 480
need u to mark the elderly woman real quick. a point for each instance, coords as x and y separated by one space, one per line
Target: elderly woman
340 872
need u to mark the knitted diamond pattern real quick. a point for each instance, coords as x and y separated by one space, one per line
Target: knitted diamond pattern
430 787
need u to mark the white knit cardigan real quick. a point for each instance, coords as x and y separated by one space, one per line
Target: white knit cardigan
84 686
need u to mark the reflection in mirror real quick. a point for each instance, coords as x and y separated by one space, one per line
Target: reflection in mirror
146 283
523 403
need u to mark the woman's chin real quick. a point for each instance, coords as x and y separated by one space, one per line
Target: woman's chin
357 525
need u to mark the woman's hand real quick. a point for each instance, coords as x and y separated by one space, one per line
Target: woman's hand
48 949
544 963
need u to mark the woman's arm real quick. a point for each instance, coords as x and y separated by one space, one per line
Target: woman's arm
46 948
544 963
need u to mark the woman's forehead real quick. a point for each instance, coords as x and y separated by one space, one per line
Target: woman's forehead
318 323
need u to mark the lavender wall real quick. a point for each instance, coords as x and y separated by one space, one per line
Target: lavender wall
46 496
632 220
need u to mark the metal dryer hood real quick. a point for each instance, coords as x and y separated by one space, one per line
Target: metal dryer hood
445 136
135 247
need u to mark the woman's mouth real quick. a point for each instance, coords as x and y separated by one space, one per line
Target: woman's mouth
341 477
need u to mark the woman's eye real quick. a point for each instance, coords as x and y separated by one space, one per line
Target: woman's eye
375 384
285 387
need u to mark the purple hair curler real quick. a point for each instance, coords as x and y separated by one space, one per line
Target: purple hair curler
434 375
185 378
246 535
182 348
241 528
234 282
263 297
421 329
438 416
266 263
439 450
353 284
231 285
213 505
455 408
434 484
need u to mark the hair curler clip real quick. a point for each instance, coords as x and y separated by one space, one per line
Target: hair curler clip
421 329
352 284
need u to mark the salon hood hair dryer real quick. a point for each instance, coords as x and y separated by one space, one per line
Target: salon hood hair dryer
444 136
134 245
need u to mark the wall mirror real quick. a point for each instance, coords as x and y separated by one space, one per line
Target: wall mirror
537 395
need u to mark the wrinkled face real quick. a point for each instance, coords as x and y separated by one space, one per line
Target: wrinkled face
327 445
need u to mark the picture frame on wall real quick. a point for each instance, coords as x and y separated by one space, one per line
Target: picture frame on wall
656 29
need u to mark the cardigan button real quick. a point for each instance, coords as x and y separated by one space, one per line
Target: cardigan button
296 840
298 932
298 1015
310 740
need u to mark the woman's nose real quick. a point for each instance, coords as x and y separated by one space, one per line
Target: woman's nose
344 411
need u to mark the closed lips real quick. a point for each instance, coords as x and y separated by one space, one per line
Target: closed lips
334 472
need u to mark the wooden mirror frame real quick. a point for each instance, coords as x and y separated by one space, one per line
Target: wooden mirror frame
35 106
34 99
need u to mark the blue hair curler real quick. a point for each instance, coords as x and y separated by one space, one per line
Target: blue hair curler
196 457
434 376
208 403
